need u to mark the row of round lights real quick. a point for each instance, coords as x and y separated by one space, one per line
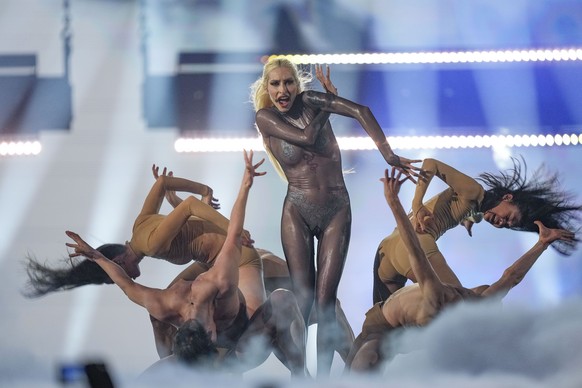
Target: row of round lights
20 148
529 55
192 145
462 141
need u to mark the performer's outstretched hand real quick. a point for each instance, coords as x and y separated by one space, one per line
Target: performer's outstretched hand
251 169
82 248
325 80
548 236
407 167
392 183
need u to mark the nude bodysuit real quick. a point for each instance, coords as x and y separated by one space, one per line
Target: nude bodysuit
449 208
198 240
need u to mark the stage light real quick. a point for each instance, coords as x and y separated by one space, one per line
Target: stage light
405 58
364 143
20 148
217 144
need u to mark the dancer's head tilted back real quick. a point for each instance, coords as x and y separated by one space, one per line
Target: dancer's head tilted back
193 345
514 201
44 279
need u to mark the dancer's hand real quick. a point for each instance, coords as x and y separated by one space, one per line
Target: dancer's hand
325 80
407 167
156 171
210 200
246 239
82 248
392 183
423 219
548 236
251 169
173 198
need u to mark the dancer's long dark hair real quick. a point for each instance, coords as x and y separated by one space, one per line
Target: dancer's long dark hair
539 198
44 279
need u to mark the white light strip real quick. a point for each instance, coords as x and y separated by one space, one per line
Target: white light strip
20 148
494 56
218 144
397 142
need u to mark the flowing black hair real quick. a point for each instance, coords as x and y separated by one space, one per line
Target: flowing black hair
44 279
193 345
539 198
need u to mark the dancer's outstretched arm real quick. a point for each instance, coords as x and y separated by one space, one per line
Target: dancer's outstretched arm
513 275
426 277
150 298
225 268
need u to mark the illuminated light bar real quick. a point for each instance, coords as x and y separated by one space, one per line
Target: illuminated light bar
218 144
20 148
406 58
397 142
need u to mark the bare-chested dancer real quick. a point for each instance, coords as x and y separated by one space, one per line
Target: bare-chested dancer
418 304
276 277
299 139
210 312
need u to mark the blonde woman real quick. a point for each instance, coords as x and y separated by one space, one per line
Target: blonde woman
300 142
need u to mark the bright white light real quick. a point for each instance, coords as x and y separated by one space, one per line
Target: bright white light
20 148
571 54
218 144
364 143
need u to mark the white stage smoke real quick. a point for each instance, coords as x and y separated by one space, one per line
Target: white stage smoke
470 345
